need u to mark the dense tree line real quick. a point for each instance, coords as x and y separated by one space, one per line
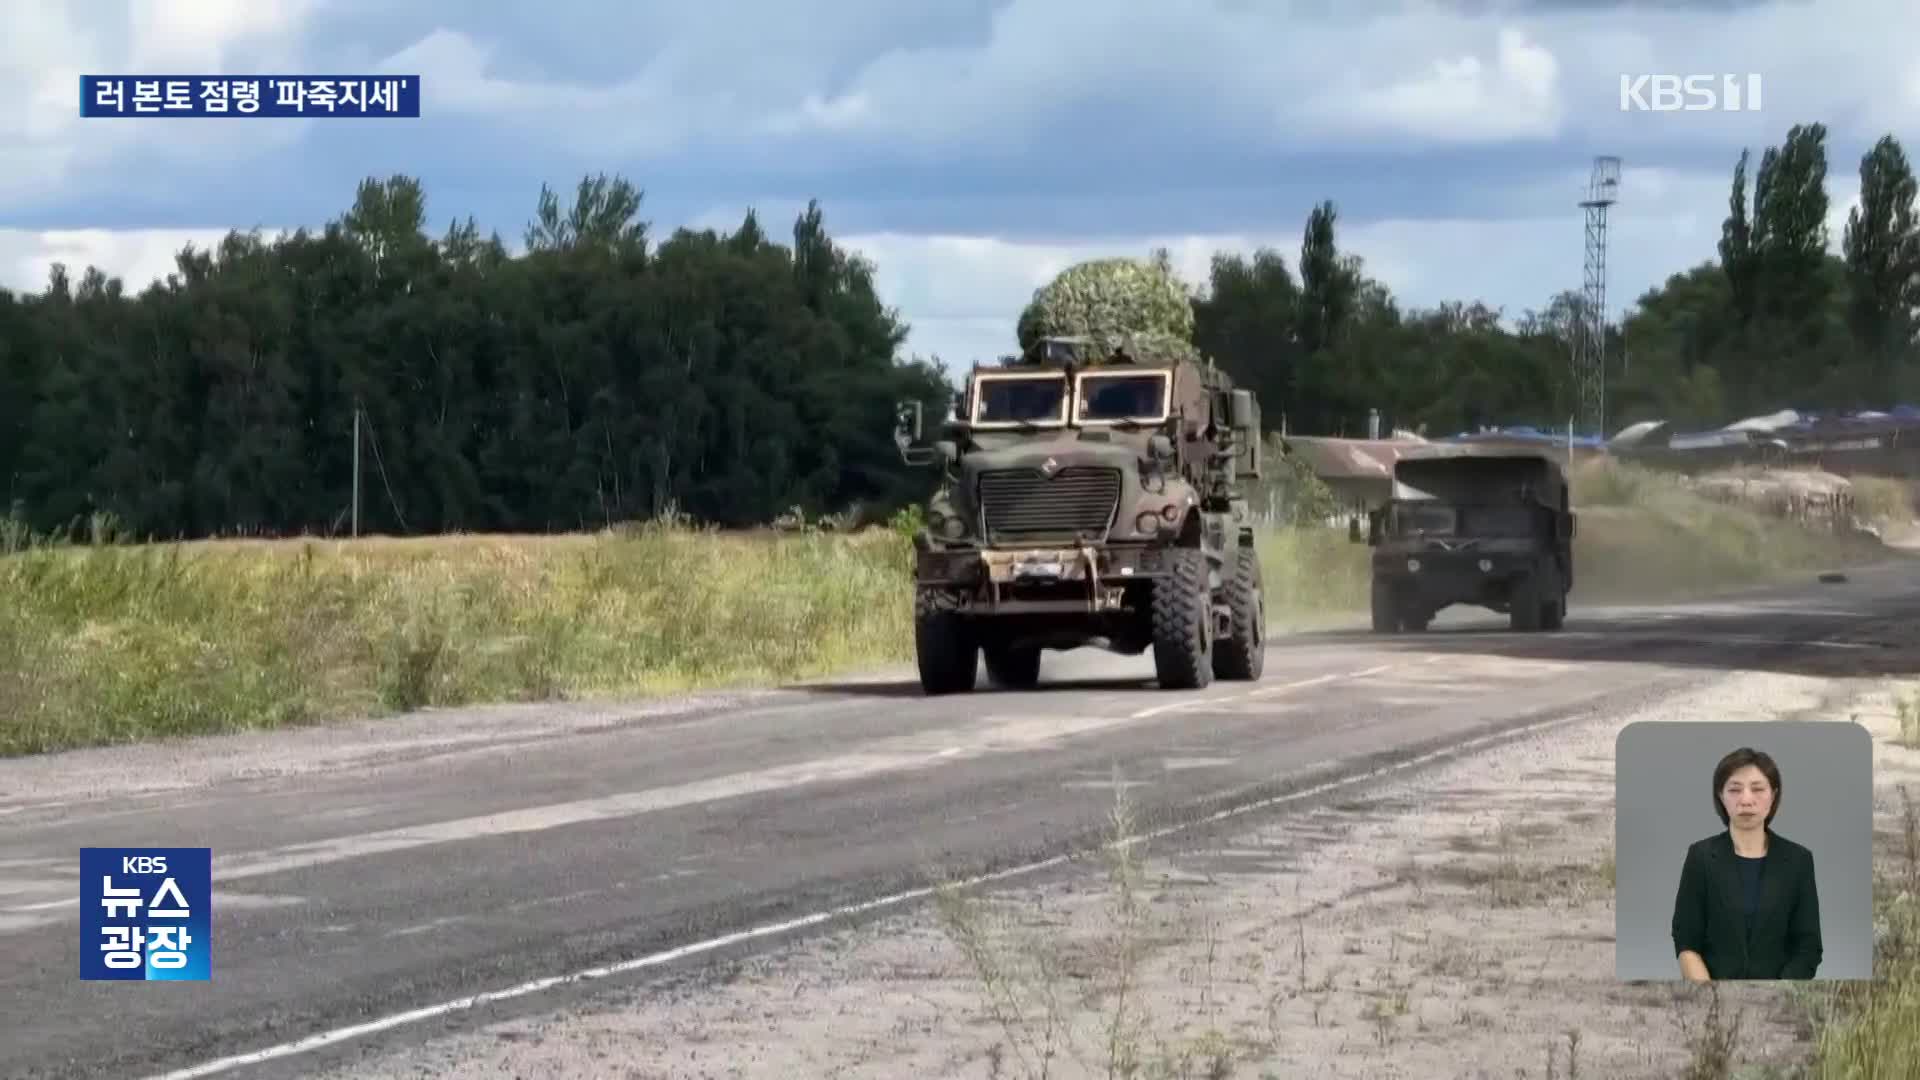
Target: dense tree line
599 377
594 379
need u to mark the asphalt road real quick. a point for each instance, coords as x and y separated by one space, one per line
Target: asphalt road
369 870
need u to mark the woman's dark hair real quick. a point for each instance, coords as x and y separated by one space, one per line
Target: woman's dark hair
1733 763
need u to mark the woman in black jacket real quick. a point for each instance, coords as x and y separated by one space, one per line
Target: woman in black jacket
1747 907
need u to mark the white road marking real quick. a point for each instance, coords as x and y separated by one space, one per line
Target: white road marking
1222 699
224 899
354 1031
1178 764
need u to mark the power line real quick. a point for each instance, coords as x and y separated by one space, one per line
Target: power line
374 441
379 463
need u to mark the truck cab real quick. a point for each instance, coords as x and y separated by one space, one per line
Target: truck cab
1490 527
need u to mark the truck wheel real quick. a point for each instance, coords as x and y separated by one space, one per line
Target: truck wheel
942 643
1182 624
1011 668
1524 606
1553 602
1386 614
1243 655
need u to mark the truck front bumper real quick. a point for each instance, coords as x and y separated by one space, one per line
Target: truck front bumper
1453 576
1084 580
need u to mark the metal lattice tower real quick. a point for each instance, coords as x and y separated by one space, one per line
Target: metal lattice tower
1590 336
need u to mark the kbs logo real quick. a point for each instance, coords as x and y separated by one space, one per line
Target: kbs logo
1689 93
146 913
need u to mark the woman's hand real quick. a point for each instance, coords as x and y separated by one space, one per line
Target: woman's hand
1694 967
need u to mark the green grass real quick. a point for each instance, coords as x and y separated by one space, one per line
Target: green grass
1871 1030
107 642
110 643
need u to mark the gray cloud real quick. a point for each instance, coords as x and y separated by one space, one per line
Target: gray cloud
1454 136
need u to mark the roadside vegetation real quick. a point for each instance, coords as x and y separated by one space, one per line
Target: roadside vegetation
1870 1030
107 641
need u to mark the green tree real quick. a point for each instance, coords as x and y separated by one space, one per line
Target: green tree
1882 250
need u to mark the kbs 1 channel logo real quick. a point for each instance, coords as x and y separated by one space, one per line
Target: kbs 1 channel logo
146 913
1690 93
256 96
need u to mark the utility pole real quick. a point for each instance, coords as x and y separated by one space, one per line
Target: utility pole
356 470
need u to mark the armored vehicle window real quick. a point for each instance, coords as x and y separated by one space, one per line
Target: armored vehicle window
1432 520
1011 400
1122 397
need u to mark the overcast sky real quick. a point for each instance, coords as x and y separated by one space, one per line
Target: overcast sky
971 148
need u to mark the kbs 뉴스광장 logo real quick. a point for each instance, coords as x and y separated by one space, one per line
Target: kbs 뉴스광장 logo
146 913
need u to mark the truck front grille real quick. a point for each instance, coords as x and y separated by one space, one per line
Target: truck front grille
1025 506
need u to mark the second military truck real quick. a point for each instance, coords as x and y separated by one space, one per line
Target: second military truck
1466 524
1089 497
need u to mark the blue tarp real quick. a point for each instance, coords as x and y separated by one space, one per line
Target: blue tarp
1524 434
1810 424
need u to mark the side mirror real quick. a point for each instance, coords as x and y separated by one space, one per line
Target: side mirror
907 422
1376 524
1573 525
906 431
1353 530
1244 412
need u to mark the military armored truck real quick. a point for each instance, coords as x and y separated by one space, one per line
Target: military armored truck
1487 526
1090 496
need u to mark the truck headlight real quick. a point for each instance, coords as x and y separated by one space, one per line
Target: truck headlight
1413 566
943 522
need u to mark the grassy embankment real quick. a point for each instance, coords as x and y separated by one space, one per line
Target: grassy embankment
108 642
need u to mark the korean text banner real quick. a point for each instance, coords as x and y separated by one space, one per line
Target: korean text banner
250 95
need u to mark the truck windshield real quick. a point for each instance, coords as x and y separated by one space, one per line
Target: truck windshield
1428 520
1105 397
1013 400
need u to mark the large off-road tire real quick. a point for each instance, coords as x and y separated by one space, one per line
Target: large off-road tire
1386 608
1527 602
1013 668
943 643
1553 600
1242 654
1183 623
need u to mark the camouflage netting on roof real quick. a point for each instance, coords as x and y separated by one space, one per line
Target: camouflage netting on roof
1117 302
